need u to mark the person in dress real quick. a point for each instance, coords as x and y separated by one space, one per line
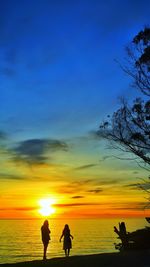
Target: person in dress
67 242
45 232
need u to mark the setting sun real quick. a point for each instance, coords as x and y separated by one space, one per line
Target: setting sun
46 207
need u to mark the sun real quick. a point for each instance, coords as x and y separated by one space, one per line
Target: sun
46 206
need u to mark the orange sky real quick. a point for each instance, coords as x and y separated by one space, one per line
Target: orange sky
78 191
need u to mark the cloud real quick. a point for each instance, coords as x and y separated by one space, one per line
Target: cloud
76 187
132 206
88 186
135 185
96 190
77 197
77 204
107 181
8 176
19 208
33 151
54 205
80 189
144 186
85 166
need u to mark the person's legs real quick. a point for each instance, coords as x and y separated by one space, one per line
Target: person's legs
45 249
68 251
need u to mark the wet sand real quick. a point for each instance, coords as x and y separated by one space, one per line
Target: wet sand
118 259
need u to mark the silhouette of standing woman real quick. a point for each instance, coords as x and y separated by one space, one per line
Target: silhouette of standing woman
45 232
67 244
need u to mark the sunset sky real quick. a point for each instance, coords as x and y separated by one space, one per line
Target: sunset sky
58 80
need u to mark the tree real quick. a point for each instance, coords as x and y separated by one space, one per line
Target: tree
128 128
138 59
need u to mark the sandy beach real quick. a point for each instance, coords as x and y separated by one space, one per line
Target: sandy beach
123 259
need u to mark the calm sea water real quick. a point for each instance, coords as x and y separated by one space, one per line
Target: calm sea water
20 240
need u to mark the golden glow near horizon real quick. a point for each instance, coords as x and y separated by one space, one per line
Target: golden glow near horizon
46 206
71 188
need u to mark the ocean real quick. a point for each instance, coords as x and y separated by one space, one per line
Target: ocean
20 240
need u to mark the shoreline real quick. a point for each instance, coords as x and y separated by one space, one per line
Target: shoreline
139 258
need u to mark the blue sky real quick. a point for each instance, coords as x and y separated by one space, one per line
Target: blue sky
59 78
58 64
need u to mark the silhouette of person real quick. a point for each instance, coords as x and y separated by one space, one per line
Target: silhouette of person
67 243
45 232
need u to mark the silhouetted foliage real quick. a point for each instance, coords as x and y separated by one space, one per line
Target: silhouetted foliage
138 239
128 128
139 61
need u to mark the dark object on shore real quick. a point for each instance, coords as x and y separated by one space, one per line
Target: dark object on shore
139 239
147 219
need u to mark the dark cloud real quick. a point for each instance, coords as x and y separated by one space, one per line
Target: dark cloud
7 176
107 181
55 205
132 206
77 204
75 187
33 151
96 190
76 197
144 186
85 166
67 190
81 182
93 186
19 208
132 185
